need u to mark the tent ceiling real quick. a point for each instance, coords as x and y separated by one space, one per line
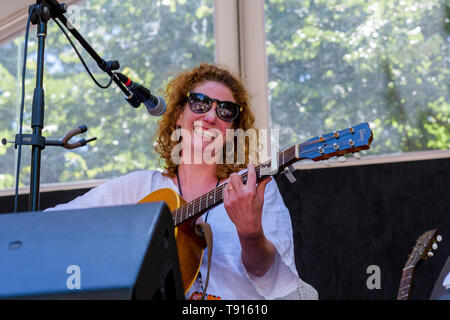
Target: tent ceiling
13 17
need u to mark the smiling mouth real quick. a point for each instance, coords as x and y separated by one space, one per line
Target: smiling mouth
204 133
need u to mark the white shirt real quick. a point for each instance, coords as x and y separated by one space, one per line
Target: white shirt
228 276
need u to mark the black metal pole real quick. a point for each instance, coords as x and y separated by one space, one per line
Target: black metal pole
41 17
41 13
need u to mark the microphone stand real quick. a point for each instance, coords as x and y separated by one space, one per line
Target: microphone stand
42 12
40 16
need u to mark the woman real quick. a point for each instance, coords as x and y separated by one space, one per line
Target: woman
252 256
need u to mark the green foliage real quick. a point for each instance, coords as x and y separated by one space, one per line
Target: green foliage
336 63
331 64
153 40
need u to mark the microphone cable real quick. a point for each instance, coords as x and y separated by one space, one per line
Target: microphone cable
82 60
22 103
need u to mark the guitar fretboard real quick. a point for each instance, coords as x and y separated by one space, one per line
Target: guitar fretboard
214 197
405 283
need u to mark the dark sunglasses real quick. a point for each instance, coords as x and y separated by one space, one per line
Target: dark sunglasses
201 103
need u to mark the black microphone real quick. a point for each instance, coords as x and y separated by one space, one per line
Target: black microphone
156 105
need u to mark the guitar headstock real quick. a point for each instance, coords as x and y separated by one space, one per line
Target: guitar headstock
337 143
422 250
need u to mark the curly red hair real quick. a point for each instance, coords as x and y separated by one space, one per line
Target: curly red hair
175 95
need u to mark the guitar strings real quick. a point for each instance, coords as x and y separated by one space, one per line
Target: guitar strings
195 206
181 214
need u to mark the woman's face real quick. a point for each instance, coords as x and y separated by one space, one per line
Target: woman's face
206 128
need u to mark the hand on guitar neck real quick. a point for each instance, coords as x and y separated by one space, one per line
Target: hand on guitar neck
244 204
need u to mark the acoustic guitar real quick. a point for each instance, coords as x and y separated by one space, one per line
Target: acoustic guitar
190 244
421 251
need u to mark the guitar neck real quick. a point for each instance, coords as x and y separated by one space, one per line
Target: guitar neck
405 283
420 252
318 148
214 197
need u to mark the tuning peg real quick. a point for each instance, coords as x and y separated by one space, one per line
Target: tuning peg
439 238
357 155
434 246
342 159
430 254
327 163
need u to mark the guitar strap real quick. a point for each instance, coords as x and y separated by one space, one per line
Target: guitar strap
203 229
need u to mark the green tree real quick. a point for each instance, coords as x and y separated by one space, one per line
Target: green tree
152 40
337 63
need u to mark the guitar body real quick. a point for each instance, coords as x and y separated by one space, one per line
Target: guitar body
190 246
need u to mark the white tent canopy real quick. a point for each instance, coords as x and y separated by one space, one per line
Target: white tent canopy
13 17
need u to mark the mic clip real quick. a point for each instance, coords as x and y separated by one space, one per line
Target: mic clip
41 142
133 100
108 66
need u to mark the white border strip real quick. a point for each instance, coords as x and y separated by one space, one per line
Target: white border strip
373 159
60 186
301 165
241 46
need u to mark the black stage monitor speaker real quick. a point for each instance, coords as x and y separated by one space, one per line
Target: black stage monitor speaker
121 252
